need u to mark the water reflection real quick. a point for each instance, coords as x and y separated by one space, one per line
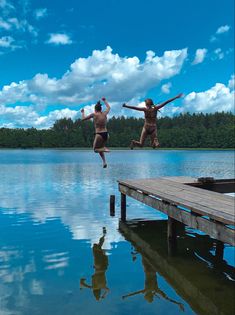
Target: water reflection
151 288
53 206
99 283
194 272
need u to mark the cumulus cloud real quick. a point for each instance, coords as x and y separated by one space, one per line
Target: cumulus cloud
103 73
166 88
27 117
40 13
59 39
218 98
199 56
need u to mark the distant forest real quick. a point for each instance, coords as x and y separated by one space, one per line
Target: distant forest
184 131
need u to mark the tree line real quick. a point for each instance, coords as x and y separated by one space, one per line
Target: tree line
183 131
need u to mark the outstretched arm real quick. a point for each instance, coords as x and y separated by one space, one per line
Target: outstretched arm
142 109
107 105
168 101
86 117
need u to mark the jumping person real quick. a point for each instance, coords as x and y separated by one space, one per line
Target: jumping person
150 124
101 133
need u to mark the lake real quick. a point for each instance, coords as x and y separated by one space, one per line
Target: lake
62 253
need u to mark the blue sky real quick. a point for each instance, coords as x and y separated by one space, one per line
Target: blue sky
56 57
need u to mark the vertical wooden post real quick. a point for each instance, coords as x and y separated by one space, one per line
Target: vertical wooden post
112 205
219 250
123 207
171 236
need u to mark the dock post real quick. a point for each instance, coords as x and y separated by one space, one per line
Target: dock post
171 236
112 205
219 250
123 207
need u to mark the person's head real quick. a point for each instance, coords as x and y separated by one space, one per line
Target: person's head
149 102
98 107
97 294
149 296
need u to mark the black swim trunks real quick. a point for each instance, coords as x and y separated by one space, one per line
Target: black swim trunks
104 135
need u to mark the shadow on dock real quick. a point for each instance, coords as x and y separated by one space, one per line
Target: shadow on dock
205 282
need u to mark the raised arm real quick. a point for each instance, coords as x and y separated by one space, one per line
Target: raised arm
168 101
107 105
141 109
86 117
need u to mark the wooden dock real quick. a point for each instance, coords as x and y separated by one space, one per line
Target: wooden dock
197 203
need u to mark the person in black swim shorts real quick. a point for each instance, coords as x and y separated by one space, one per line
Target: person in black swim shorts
101 134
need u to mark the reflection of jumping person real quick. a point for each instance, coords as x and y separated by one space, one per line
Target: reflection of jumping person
101 133
151 288
150 124
100 266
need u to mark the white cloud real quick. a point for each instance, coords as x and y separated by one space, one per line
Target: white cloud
218 98
199 56
6 7
9 23
40 13
166 88
223 29
231 83
27 117
219 53
59 39
6 42
4 25
120 79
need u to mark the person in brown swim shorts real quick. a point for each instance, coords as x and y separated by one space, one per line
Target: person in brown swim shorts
101 134
150 124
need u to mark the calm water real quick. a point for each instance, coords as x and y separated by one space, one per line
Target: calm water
61 252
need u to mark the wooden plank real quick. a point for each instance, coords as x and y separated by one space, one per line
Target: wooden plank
171 198
196 189
221 203
192 192
213 229
160 188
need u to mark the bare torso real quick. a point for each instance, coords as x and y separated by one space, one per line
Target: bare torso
150 117
100 121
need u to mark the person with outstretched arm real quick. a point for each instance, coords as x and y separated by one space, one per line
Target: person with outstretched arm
101 134
150 124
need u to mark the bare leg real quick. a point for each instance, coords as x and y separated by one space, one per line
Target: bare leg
140 143
154 140
103 159
99 147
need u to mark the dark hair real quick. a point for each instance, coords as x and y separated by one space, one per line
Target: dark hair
98 107
150 101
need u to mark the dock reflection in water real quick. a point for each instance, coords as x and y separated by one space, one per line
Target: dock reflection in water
194 272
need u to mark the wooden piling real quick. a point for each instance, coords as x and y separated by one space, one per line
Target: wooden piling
112 205
219 250
171 236
123 207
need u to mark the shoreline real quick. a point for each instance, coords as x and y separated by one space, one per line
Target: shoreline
122 149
